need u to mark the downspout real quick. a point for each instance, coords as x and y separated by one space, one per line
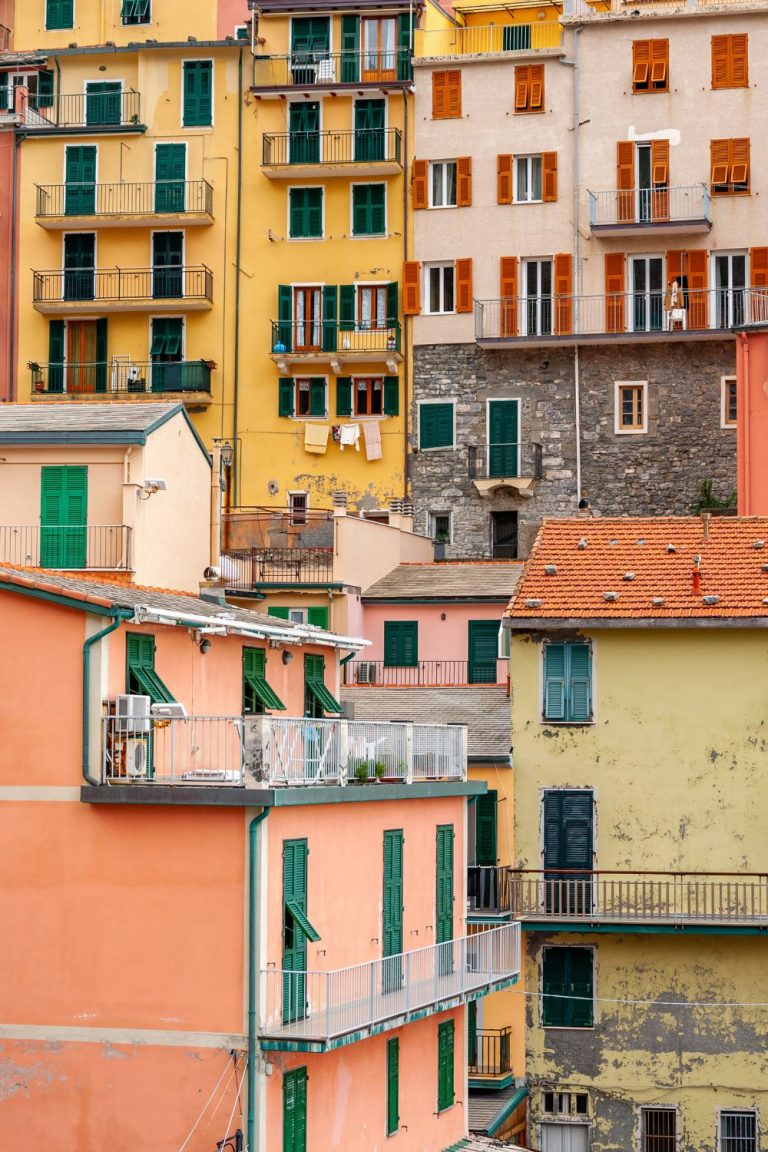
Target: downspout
117 620
252 982
236 375
577 402
743 473
13 273
574 64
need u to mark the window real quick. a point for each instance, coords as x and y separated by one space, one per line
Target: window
305 213
446 95
170 177
568 683
295 1110
257 694
504 535
728 401
369 396
298 506
527 179
738 1131
529 88
317 699
567 988
165 351
136 12
435 425
369 209
310 396
371 306
658 1129
59 14
317 616
63 516
729 166
445 1065
401 643
198 94
80 266
650 65
442 184
730 61
440 525
566 1103
393 1086
379 56
439 282
140 676
38 84
631 408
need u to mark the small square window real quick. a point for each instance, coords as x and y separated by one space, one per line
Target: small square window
442 184
298 505
136 12
728 401
436 425
658 1129
439 293
528 179
631 406
369 209
738 1131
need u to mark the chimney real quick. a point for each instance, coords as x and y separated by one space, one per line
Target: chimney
396 513
705 518
407 523
339 503
696 576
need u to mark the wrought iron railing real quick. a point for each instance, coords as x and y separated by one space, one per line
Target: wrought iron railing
510 460
178 750
121 376
316 336
322 1006
489 890
423 674
690 203
490 1052
366 146
98 110
489 39
317 68
125 199
111 285
66 546
246 568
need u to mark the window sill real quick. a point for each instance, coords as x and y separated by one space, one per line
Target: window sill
440 207
438 448
370 236
630 431
568 723
520 203
569 1027
304 239
454 313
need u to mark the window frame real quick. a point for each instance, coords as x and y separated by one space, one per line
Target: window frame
643 1110
306 188
754 1112
135 23
644 86
437 447
368 235
527 158
442 164
641 388
432 531
444 265
548 948
370 382
413 632
567 720
375 288
726 382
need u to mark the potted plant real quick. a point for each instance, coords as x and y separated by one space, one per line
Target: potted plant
361 772
379 768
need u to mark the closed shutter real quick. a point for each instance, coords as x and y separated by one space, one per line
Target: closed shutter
641 64
504 178
463 285
614 291
393 1085
285 316
567 986
56 356
419 188
411 293
391 396
80 180
486 815
330 303
347 308
317 390
563 269
401 643
285 396
580 682
59 14
306 213
102 328
436 426
536 98
568 830
625 179
63 516
350 49
554 682
445 1065
439 101
170 175
758 265
739 60
483 635
464 181
721 61
660 179
580 986
318 617
393 304
444 886
198 94
549 176
554 1007
453 93
404 46
344 396
508 293
698 294
295 1110
369 209
392 909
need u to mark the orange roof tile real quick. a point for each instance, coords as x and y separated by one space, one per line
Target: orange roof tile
643 569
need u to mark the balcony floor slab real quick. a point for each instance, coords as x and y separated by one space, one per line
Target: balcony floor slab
653 228
690 335
757 927
125 220
99 307
192 400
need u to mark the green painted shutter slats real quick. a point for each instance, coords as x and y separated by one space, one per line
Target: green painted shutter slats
568 988
79 180
580 682
317 617
302 922
444 895
401 643
305 217
347 307
103 99
393 1086
295 861
317 391
63 516
295 1110
482 650
330 307
170 175
256 690
370 118
350 49
79 266
318 699
436 426
278 612
44 89
311 35
503 436
56 356
568 849
304 133
59 14
554 681
393 306
344 396
285 316
167 264
198 94
141 677
392 920
568 682
486 815
369 209
445 1065
391 395
285 401
404 49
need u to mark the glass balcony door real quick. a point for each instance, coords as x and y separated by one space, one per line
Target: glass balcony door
379 53
537 300
647 279
307 312
730 282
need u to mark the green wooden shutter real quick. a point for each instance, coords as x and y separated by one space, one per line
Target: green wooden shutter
63 516
344 396
56 356
140 674
44 89
79 180
330 303
285 315
350 49
392 920
581 977
103 100
404 50
311 35
135 12
393 1086
503 438
257 694
401 643
472 1033
554 682
554 1007
59 14
445 1064
568 829
102 328
198 93
579 693
393 308
482 649
318 617
170 176
295 1110
347 307
295 853
304 133
486 817
567 972
391 396
444 885
369 212
370 119
278 612
306 213
317 391
285 396
436 425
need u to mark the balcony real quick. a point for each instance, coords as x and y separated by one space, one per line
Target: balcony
580 10
489 892
249 569
512 467
86 113
500 40
677 900
317 69
620 318
490 1053
179 750
424 674
89 291
321 1010
355 153
184 202
122 379
638 212
320 342
92 546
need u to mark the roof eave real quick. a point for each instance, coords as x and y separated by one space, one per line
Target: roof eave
558 624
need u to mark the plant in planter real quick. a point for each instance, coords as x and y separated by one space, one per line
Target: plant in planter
361 772
379 768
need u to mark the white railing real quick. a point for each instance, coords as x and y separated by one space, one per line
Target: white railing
599 9
489 39
321 1006
295 750
182 750
651 206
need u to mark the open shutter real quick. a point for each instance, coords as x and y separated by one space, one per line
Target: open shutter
350 49
486 815
393 306
344 396
580 682
285 396
698 295
393 1086
411 294
464 181
549 176
420 170
625 179
758 264
444 885
330 300
721 59
285 316
56 356
719 164
504 178
740 165
317 405
347 307
508 293
554 682
641 64
391 396
563 293
614 292
463 285
318 617
739 60
101 354
404 46
660 179
659 65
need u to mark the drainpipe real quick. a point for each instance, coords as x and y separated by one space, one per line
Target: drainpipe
577 402
407 329
236 373
117 620
253 989
13 271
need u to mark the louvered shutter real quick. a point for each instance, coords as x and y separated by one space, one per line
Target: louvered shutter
563 268
317 405
404 46
486 814
508 293
698 294
576 815
549 176
350 49
522 87
554 682
758 264
346 307
285 316
740 164
393 1085
391 396
330 317
554 1008
721 60
614 292
463 285
504 179
579 978
641 64
625 179
439 95
659 65
445 1065
102 329
393 309
720 165
411 294
45 88
198 92
392 926
444 885
536 96
739 60
580 682
453 93
285 396
674 260
464 181
56 356
344 396
318 617
660 179
419 187
279 612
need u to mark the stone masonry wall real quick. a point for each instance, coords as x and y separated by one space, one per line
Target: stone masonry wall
658 472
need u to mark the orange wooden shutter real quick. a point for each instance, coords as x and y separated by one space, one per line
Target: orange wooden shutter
411 294
674 258
698 296
625 179
464 181
439 84
522 87
536 97
641 63
463 285
420 170
549 176
740 162
504 179
453 93
739 60
721 56
508 293
660 179
659 63
758 263
563 293
614 292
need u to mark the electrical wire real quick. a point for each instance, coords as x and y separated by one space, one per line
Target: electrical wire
662 1005
188 1137
225 1089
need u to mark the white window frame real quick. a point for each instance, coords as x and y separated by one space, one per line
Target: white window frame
304 239
617 426
442 264
657 1108
291 510
724 421
743 1111
442 447
431 530
504 646
368 235
369 415
305 415
526 159
442 164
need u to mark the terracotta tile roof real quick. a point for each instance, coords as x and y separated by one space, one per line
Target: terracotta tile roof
473 579
643 569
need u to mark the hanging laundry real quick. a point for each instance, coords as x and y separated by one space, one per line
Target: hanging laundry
350 434
336 432
316 438
372 434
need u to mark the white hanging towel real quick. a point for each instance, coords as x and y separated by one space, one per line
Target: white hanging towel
350 434
372 434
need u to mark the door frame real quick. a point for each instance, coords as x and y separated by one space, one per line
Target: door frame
593 790
102 80
713 255
470 627
156 232
647 294
505 400
64 174
80 232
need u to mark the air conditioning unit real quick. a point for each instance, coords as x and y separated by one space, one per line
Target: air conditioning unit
365 672
171 711
136 756
132 714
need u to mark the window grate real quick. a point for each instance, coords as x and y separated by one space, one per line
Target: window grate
659 1127
738 1132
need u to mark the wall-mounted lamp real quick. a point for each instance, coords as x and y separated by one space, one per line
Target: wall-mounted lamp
204 645
227 454
287 656
149 487
442 615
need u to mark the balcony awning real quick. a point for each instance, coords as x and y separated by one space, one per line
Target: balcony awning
325 699
265 694
301 921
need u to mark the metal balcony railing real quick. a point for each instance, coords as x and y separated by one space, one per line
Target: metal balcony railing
490 1052
423 674
311 337
66 546
489 39
318 68
679 898
652 206
247 568
121 376
295 751
510 460
273 529
181 750
369 146
98 110
622 314
111 285
323 1006
489 890
129 199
